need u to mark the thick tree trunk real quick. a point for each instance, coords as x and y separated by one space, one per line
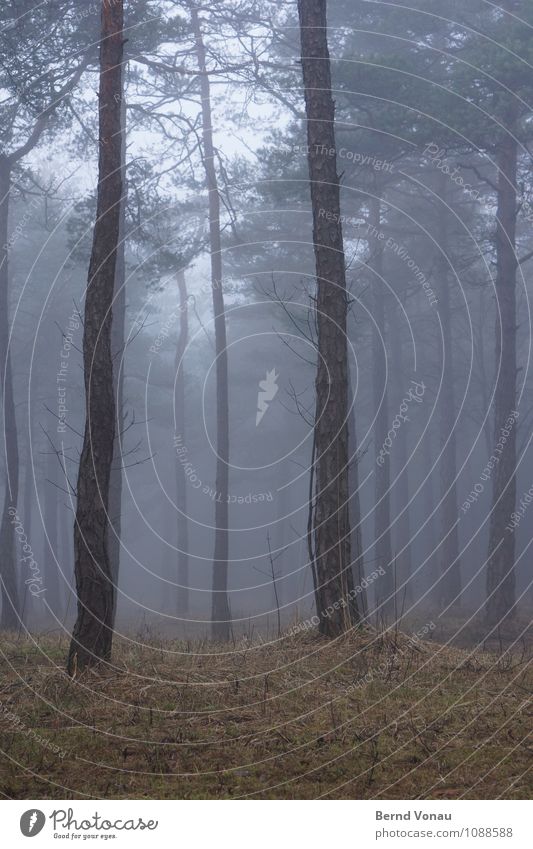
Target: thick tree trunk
182 598
332 566
118 336
10 592
501 590
92 635
382 523
449 586
220 610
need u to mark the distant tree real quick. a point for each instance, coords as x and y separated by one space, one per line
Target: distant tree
450 583
52 483
182 598
498 77
193 60
43 54
220 610
380 388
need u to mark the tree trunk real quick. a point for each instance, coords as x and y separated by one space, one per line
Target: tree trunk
220 610
449 586
382 523
10 593
182 598
92 635
501 590
332 564
118 336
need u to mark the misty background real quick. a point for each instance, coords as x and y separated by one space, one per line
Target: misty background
417 139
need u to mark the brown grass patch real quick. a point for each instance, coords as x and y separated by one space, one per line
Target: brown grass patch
368 716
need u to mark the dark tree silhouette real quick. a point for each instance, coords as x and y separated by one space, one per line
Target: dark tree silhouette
92 635
332 566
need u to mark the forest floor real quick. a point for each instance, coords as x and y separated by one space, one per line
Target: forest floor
367 716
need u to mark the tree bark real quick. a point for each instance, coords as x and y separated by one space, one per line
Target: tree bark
10 592
92 635
182 598
501 589
220 610
332 563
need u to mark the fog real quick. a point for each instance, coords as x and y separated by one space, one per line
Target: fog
419 143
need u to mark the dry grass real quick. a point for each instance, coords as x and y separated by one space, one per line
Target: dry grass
369 716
